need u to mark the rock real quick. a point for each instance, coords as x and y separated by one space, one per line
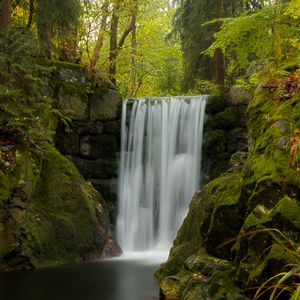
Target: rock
88 128
68 143
72 73
217 102
206 264
72 101
249 215
237 140
237 161
169 288
54 216
100 169
98 146
239 95
106 107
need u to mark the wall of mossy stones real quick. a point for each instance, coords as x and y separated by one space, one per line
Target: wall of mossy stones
90 136
225 130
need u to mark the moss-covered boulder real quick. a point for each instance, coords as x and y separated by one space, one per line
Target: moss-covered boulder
49 214
249 216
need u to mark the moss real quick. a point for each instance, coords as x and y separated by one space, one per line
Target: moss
289 209
216 101
54 215
75 88
68 65
222 205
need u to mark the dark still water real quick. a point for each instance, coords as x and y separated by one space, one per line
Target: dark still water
116 279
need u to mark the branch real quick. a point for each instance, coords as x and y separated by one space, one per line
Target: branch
127 30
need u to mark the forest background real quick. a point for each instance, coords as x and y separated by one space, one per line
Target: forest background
145 47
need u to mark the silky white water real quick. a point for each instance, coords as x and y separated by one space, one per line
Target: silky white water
160 166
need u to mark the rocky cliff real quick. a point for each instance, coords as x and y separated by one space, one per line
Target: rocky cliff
243 227
49 213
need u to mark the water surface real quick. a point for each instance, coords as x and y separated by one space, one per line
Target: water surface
129 278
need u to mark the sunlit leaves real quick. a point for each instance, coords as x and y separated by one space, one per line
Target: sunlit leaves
268 34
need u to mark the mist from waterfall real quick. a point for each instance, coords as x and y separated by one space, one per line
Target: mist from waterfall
160 165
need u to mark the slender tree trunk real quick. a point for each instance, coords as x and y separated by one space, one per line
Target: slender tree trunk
46 35
31 11
133 57
219 59
219 67
116 46
5 14
99 42
113 47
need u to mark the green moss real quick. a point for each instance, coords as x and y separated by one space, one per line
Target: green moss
68 65
289 209
75 88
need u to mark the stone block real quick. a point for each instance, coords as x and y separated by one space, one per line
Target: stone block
73 104
98 146
106 107
96 169
88 128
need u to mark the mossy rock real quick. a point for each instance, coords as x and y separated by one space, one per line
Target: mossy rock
217 101
106 106
221 205
54 215
231 117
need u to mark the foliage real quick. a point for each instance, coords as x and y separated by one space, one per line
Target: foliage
152 65
195 37
285 282
22 101
268 35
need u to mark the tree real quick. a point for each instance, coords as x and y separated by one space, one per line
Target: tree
56 18
196 34
266 36
5 14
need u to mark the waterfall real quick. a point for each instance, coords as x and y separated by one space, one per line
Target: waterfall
159 169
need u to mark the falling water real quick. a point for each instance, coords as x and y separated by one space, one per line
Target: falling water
159 169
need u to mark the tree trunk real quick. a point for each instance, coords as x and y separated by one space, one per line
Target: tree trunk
113 47
31 11
46 35
99 42
219 59
133 58
5 14
219 67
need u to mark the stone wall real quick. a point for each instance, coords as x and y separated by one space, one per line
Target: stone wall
91 140
225 131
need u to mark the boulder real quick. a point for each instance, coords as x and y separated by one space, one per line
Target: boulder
239 95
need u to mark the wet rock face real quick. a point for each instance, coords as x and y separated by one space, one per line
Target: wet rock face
92 139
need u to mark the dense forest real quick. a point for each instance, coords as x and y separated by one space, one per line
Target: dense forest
144 47
65 68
